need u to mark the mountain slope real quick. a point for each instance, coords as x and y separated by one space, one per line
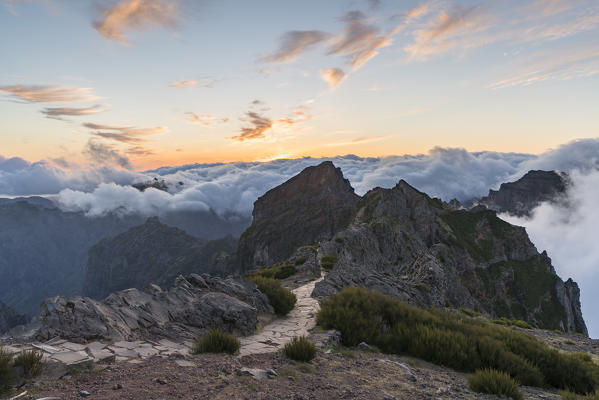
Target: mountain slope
151 253
413 247
9 318
309 207
522 196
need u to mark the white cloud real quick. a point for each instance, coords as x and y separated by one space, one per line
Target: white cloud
569 234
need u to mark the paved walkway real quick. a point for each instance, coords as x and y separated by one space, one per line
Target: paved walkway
279 332
273 337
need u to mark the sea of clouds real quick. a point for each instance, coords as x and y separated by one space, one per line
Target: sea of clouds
569 233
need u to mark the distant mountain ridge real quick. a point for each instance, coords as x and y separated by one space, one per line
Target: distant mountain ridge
522 196
9 318
152 253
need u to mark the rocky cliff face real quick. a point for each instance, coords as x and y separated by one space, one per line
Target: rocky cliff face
421 250
190 307
306 209
9 318
521 197
151 253
405 244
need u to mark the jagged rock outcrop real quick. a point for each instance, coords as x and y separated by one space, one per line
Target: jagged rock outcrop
522 196
421 250
190 307
413 247
9 318
306 209
151 253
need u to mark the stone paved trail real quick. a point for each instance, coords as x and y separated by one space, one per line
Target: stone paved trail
279 332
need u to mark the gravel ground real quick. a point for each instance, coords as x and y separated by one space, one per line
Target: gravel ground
347 375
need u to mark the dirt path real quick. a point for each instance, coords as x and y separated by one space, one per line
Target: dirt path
279 332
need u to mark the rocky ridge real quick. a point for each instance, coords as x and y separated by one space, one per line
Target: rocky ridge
152 253
190 307
309 207
522 196
405 244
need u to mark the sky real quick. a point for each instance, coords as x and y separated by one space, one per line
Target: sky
140 84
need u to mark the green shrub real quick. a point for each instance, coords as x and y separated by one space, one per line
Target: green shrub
567 395
281 299
300 349
512 322
328 262
277 271
31 361
5 370
216 341
453 340
300 260
491 381
469 312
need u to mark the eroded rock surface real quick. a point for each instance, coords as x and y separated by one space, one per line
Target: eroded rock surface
522 196
309 207
193 305
9 318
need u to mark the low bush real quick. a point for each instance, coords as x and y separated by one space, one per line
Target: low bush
491 381
567 395
453 339
31 361
469 312
512 322
300 260
300 349
328 262
281 299
5 370
216 341
277 271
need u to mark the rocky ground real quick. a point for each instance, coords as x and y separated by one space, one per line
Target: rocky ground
340 374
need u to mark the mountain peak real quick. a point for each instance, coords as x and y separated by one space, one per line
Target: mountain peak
319 200
522 196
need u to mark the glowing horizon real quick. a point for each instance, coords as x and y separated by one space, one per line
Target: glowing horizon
146 83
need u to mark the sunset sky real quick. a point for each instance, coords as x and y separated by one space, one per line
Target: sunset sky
145 83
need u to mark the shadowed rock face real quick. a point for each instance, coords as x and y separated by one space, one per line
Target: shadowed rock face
423 251
306 209
151 253
521 197
9 318
190 307
405 244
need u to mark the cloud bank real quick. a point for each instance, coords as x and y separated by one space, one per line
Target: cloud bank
569 234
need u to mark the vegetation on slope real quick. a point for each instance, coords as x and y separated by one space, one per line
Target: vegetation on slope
216 341
279 271
496 382
281 299
453 340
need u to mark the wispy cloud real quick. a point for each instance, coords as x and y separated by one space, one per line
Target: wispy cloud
359 140
359 41
60 112
294 43
105 154
333 76
203 82
259 125
49 93
124 134
558 64
137 15
203 119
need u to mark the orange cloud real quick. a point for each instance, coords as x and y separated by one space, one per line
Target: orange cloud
206 120
59 112
49 93
260 125
135 14
294 43
333 76
124 134
205 82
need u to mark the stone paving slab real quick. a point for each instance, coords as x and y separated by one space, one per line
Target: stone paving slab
272 338
298 322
